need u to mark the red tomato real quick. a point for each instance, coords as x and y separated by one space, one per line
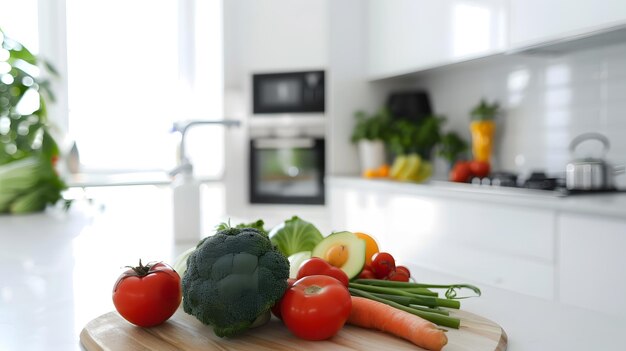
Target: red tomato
316 307
479 169
398 276
403 269
147 295
366 274
317 266
461 172
383 264
276 307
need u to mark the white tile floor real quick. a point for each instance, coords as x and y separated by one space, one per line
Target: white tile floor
57 269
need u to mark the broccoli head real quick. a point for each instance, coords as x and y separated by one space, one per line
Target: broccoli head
232 278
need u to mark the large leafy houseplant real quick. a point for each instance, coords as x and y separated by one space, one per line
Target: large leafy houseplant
28 180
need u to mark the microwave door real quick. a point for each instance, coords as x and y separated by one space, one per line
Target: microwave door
282 94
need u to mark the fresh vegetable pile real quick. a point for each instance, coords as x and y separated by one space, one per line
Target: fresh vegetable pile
314 284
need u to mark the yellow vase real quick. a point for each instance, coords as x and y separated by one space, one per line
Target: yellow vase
482 139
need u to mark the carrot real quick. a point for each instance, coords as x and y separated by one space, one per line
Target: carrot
371 314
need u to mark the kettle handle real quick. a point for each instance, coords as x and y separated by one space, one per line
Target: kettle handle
589 136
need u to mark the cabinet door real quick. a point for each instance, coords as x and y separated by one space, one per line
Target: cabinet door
406 36
592 262
534 22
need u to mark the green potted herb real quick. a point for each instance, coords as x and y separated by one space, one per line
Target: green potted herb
452 147
370 134
408 137
28 180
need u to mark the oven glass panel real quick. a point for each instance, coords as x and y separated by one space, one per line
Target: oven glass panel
287 171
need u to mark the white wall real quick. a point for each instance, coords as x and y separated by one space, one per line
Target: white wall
349 89
547 101
272 35
264 36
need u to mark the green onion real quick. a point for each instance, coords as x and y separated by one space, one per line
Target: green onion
434 301
413 302
436 318
451 292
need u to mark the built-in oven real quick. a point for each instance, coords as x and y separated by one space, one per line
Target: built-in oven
287 170
288 92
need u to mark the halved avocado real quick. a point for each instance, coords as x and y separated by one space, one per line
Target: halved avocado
344 250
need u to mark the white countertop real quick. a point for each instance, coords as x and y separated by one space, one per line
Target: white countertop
58 270
605 204
537 324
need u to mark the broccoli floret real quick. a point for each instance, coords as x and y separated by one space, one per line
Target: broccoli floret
232 278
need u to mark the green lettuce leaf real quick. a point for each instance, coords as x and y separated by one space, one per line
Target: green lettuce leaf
295 235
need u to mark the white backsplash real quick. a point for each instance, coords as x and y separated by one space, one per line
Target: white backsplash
546 100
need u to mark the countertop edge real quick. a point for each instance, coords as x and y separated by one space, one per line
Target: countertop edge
609 205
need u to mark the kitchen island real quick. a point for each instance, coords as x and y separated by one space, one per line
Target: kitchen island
59 268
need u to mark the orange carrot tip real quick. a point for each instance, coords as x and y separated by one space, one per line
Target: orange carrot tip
375 315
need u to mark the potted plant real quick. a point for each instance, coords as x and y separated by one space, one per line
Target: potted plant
452 147
28 152
370 134
483 127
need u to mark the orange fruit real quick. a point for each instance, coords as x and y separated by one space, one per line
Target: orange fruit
383 171
369 173
371 247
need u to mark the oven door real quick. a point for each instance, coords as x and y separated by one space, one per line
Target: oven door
287 171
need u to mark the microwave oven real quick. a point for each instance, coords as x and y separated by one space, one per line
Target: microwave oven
288 92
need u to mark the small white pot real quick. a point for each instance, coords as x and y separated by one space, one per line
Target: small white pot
371 154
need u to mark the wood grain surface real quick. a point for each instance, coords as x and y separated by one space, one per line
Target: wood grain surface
183 332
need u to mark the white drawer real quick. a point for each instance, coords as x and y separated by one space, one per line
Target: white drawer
592 262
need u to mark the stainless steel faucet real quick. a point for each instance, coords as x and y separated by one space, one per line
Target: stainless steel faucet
184 166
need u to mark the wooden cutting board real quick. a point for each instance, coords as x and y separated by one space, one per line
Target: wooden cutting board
183 332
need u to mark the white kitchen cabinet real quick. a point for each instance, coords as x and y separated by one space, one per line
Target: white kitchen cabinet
592 262
536 22
566 249
406 36
511 247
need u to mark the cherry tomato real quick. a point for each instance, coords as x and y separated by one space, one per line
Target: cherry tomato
366 274
383 264
404 269
316 307
276 307
398 276
147 295
317 266
461 172
479 169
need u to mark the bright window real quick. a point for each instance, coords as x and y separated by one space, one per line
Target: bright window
18 19
129 81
